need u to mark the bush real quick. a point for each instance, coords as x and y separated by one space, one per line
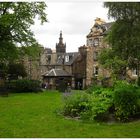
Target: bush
92 88
101 102
122 101
138 82
75 104
125 100
24 86
94 106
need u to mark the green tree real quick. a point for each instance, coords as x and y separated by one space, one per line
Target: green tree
32 51
110 61
15 70
125 31
15 21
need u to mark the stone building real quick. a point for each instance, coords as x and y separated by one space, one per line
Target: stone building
94 71
60 63
81 68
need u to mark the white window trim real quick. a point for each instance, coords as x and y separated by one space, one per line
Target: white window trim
67 58
95 71
134 72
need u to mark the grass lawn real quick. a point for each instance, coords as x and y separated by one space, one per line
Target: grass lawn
34 115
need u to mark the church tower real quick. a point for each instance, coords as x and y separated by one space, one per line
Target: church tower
60 47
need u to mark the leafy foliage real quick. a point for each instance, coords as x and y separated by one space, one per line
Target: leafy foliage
124 34
3 70
93 106
76 104
114 63
125 100
15 70
5 51
121 102
32 51
101 102
24 85
92 88
16 19
138 82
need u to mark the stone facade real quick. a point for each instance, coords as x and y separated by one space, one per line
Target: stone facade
82 65
79 68
95 44
94 71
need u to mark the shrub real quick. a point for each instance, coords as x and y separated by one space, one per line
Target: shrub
75 104
94 106
138 81
3 90
24 86
101 102
15 70
125 100
92 88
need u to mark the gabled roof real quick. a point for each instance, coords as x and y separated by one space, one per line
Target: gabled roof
57 73
107 26
67 58
102 29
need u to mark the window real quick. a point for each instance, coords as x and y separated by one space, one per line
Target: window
70 57
134 72
96 71
66 58
49 59
90 42
59 59
95 56
96 42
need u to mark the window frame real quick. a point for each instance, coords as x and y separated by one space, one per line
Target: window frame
96 42
96 71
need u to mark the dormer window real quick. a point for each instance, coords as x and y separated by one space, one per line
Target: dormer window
66 58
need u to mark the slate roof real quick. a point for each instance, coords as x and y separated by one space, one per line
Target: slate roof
57 73
67 58
107 26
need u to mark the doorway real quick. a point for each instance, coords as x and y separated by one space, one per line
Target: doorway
79 83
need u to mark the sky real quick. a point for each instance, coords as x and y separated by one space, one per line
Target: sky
73 18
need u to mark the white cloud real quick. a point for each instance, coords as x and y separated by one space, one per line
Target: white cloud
74 19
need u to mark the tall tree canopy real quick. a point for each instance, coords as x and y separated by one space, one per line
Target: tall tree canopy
15 21
124 36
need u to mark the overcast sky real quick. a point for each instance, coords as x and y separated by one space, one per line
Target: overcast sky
74 19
